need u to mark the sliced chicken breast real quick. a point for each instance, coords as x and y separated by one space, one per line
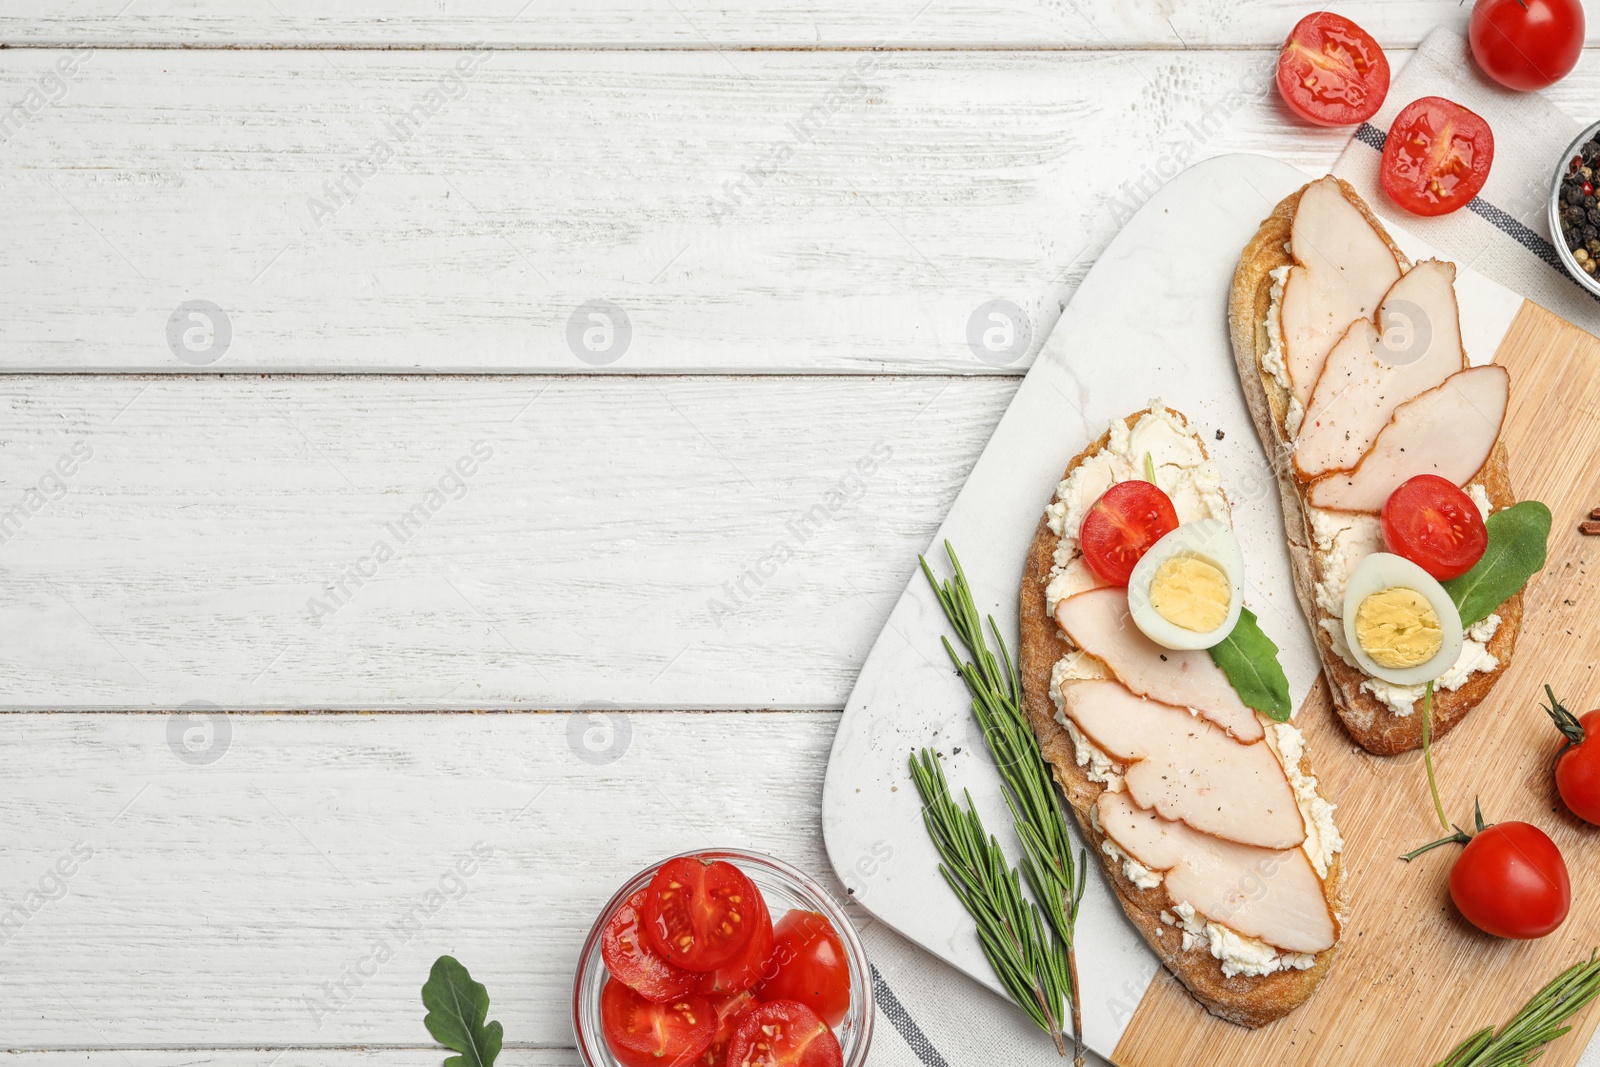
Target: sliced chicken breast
1098 622
1187 769
1271 895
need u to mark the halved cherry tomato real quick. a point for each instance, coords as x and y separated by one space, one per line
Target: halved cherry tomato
642 1033
1331 72
1121 526
1437 156
1510 881
1431 522
697 912
730 1010
1526 44
784 1033
633 962
744 970
811 966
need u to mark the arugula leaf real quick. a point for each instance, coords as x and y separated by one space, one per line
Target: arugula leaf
457 1007
1250 660
1516 552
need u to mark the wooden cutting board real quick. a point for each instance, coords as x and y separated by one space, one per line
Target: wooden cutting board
1414 978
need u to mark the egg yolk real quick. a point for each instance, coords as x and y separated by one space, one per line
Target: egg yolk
1191 593
1398 628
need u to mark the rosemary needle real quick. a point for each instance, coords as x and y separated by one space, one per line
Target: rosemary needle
1056 875
1541 1021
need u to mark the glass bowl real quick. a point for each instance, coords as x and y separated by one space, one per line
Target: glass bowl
785 889
1589 281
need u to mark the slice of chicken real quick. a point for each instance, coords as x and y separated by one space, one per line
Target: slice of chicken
1448 430
1271 895
1342 269
1413 347
1098 622
1186 769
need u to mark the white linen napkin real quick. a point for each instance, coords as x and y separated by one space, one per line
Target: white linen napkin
1505 232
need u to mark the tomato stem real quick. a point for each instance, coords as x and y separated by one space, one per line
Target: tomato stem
1565 721
1460 837
1427 755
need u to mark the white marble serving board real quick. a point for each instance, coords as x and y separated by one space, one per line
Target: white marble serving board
1149 321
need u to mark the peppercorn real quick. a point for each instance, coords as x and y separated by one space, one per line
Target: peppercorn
1588 266
1580 254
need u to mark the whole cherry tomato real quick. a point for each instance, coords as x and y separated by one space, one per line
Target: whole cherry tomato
1121 526
1437 156
1510 881
1431 522
1331 72
1578 762
810 966
1526 44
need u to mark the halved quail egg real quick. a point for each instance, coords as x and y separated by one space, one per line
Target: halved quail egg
1186 591
1401 625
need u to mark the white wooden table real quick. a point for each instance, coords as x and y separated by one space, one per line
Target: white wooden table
645 551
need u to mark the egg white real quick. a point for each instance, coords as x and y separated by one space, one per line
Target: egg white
1209 539
1384 570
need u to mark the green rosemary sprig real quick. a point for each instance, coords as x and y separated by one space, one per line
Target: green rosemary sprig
1028 959
1057 876
1541 1021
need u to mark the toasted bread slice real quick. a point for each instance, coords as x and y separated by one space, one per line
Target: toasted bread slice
1369 721
1245 1000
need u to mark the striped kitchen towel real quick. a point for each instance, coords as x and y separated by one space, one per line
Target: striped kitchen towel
1505 232
931 1015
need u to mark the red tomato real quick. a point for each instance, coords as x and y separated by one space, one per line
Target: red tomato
1331 72
632 961
1437 156
1431 522
784 1033
745 969
1121 526
697 912
1526 44
642 1033
1578 762
730 1010
1510 881
811 966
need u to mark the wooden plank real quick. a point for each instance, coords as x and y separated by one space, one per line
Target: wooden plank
560 178
679 542
379 1056
227 898
1413 978
703 23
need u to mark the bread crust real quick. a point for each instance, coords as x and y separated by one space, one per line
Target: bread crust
1368 720
1247 1001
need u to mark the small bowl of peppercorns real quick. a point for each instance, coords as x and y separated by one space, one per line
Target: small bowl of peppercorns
1575 211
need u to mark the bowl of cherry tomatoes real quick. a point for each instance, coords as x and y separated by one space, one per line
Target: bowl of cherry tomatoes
722 957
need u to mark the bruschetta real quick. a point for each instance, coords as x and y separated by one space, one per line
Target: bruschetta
1352 365
1205 813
